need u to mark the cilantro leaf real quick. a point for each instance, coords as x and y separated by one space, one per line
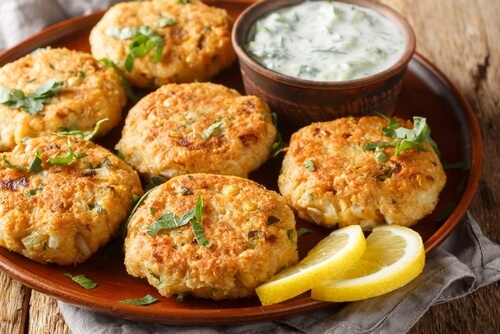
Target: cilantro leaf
35 165
170 220
132 96
407 139
73 131
143 40
216 125
83 280
146 300
68 159
34 102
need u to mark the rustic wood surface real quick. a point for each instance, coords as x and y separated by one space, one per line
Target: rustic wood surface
461 38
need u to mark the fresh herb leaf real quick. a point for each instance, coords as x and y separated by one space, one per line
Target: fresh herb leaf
143 41
83 280
309 165
181 295
35 165
279 144
193 216
183 1
301 231
132 96
34 102
74 132
272 220
34 191
407 139
216 125
138 202
69 158
165 22
146 300
196 224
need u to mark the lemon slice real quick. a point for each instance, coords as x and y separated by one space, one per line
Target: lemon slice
394 256
329 258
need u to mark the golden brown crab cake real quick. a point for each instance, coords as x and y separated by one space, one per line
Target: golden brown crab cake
330 179
250 233
197 128
90 92
60 207
193 41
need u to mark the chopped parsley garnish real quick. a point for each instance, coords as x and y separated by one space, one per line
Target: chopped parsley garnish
183 1
31 103
73 131
279 144
212 129
309 165
83 280
165 22
143 41
132 96
272 220
193 216
35 165
407 139
68 159
301 231
146 300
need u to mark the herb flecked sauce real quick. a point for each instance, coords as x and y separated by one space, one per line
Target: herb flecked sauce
326 41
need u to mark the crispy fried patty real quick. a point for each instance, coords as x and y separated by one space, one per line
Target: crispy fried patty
330 179
91 93
251 231
196 40
197 127
65 210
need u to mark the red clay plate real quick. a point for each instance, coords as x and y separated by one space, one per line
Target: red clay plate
426 92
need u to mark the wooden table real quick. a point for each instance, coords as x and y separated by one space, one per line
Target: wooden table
461 38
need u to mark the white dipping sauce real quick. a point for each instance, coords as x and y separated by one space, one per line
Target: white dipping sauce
326 41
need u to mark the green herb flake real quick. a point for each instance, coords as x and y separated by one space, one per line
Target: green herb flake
131 95
309 165
69 158
165 22
272 220
35 165
181 296
193 216
212 129
34 102
74 132
34 191
301 231
146 300
183 2
83 280
143 40
406 139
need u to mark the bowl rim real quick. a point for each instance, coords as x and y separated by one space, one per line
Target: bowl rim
261 8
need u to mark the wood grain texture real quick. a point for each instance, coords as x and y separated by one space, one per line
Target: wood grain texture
461 38
15 305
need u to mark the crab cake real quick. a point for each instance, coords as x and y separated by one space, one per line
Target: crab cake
84 92
190 41
330 179
197 128
62 198
245 234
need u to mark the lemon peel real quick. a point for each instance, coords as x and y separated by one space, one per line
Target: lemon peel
394 256
327 260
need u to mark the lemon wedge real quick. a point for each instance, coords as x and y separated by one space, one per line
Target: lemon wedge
328 259
394 256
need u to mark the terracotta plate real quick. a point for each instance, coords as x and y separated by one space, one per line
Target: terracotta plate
426 92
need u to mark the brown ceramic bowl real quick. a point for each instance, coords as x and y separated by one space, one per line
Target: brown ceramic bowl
299 102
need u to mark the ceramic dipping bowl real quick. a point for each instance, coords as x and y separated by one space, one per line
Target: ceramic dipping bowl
299 102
